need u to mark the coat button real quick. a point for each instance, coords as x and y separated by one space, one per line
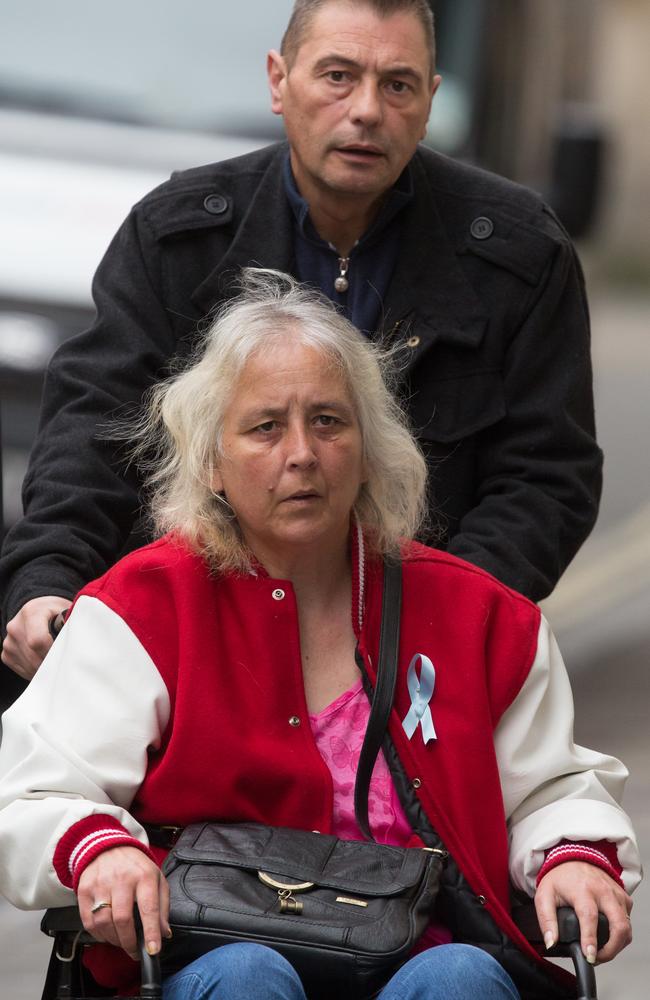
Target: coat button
294 721
278 595
216 204
413 342
482 228
481 900
416 783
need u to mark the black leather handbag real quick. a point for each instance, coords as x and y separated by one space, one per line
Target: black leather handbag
346 914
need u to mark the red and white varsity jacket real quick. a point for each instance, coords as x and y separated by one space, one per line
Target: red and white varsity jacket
168 696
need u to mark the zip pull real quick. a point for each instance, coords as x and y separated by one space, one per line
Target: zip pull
342 284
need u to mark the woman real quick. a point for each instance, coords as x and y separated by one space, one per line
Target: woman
212 674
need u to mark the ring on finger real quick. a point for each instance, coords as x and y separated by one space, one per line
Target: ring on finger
96 907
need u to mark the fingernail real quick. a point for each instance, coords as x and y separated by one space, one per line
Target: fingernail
152 948
169 934
591 954
549 939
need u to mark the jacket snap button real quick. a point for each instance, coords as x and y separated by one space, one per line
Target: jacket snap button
481 900
294 721
216 204
482 228
278 595
416 783
413 342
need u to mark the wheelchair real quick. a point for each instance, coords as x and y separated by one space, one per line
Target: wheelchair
65 978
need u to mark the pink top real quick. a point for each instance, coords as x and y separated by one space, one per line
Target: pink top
339 730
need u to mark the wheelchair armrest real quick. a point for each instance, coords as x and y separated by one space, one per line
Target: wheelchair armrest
568 944
62 918
64 925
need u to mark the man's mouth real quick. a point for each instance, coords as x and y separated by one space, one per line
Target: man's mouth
362 152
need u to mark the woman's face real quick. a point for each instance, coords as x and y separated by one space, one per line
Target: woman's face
292 463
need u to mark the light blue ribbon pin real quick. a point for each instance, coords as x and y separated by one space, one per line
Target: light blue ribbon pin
421 692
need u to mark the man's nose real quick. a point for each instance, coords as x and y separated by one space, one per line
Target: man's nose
365 103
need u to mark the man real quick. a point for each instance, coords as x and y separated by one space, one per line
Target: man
470 275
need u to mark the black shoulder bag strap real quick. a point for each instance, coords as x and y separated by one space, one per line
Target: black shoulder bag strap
384 692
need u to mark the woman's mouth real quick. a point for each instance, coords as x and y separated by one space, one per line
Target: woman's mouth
302 497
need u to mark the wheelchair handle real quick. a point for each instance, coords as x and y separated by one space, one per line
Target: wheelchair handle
56 623
569 933
150 973
64 925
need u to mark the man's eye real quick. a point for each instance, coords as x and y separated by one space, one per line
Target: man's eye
326 420
337 76
399 86
266 427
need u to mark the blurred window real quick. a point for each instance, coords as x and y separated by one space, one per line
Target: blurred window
197 65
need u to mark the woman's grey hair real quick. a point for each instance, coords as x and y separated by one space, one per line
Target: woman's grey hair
177 438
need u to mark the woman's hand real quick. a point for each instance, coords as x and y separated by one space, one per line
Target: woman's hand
123 876
588 890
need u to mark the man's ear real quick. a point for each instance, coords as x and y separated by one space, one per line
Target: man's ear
437 80
276 71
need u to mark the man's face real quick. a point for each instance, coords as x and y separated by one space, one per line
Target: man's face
356 100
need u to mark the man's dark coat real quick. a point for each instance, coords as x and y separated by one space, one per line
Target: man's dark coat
487 299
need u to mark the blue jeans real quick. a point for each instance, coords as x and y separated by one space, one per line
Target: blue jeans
253 972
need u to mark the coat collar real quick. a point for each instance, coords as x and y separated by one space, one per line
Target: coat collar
446 309
264 238
360 566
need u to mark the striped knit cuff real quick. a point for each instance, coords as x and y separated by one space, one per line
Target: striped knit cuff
602 854
84 841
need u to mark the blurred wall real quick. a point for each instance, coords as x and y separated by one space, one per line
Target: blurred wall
538 57
584 64
622 88
589 59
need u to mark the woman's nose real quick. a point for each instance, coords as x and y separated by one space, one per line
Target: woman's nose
300 448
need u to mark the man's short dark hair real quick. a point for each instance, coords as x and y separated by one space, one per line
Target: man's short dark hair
305 10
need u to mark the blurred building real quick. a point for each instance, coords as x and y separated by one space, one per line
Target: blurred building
621 87
565 108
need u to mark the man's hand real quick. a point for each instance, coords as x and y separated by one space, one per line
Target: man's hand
588 890
121 877
28 635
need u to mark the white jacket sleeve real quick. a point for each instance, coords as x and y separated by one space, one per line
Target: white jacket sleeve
552 788
73 745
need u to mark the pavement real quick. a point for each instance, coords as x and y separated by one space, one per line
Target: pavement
612 702
600 610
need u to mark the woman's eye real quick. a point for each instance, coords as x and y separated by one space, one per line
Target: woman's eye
266 427
326 420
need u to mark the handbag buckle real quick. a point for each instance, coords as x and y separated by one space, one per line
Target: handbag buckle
285 891
288 903
436 850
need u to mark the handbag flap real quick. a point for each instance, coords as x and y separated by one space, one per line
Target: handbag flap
302 856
